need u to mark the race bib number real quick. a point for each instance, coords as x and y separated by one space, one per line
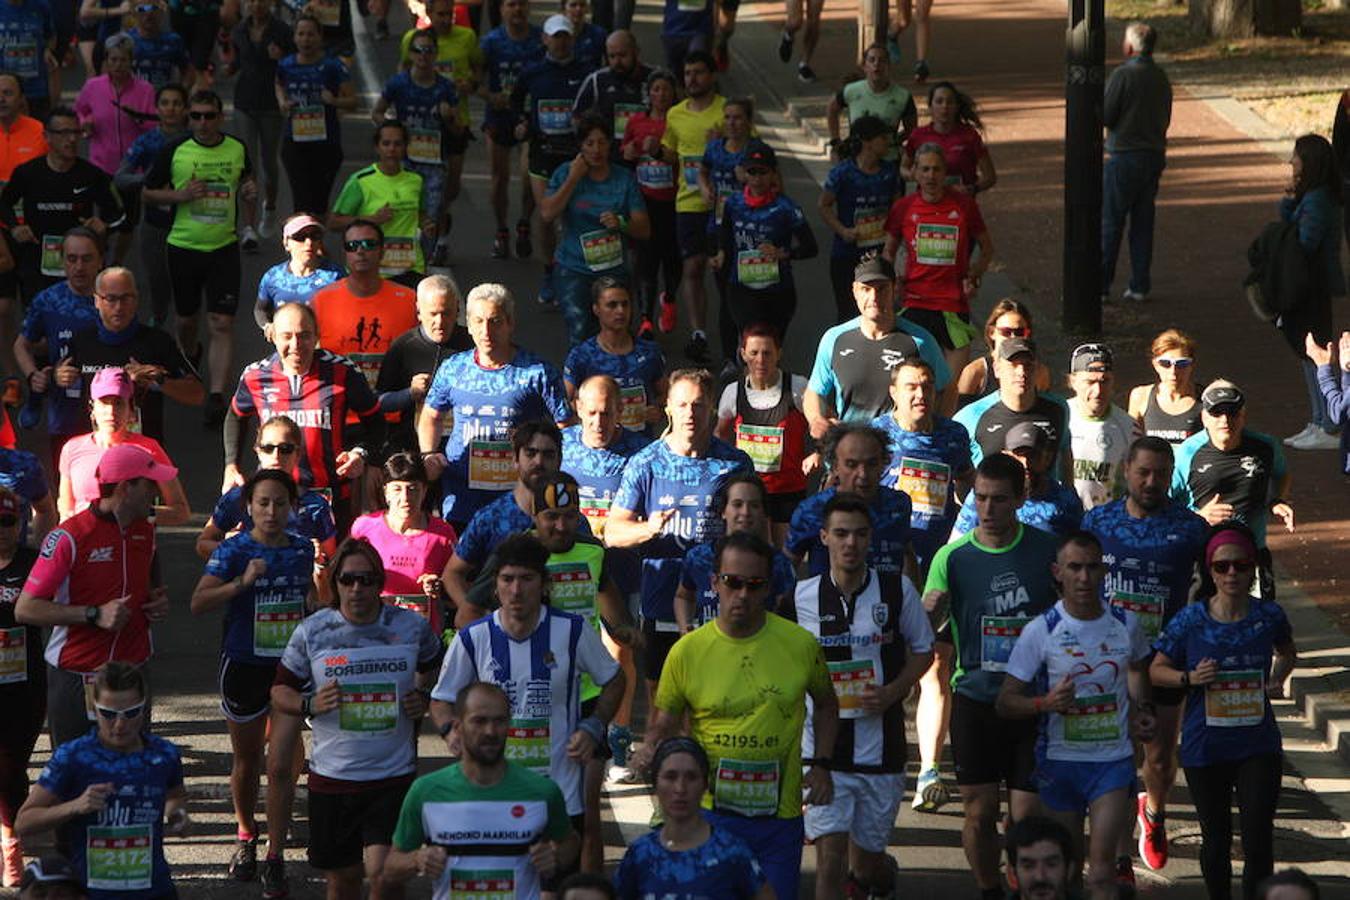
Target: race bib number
53 262
756 270
424 145
1147 608
633 407
746 787
327 12
491 467
763 444
602 249
935 245
622 113
276 614
869 226
213 207
21 58
1092 719
369 707
1236 699
851 678
482 884
655 175
573 590
927 483
691 166
555 117
418 603
529 743
997 636
596 511
400 255
13 655
119 858
309 124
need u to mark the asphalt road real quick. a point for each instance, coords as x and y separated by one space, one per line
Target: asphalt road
186 656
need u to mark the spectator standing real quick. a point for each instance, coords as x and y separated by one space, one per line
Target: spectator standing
260 41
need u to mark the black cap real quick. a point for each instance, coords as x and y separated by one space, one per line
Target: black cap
1222 395
48 870
1092 358
1016 346
1025 436
874 268
759 153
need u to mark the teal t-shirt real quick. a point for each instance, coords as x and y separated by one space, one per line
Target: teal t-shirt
587 246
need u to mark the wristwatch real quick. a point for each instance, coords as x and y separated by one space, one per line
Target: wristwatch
91 615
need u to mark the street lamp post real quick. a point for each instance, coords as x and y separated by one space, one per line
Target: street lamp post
1085 45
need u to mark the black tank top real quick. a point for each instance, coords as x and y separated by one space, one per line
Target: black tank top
990 379
1171 427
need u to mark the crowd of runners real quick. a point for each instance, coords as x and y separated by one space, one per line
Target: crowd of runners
714 575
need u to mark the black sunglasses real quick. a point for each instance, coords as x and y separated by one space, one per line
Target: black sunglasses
365 579
740 583
111 714
199 116
277 448
1224 566
361 244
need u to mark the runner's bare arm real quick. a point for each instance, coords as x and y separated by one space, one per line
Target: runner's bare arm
686 603
938 605
820 413
44 811
624 528
1286 657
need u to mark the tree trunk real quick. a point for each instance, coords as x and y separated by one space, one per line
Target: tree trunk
1245 18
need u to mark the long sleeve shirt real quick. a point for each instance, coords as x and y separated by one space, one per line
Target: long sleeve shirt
1137 107
116 117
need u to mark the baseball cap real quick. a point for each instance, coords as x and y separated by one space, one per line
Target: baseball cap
48 870
759 153
1092 358
1016 346
111 383
559 492
1220 395
873 268
124 462
299 224
1025 436
556 23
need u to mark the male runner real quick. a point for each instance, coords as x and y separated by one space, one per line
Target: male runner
1099 432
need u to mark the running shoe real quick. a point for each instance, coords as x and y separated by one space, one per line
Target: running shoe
440 254
1319 440
546 298
501 244
669 313
244 863
1294 439
697 349
213 412
267 224
274 879
13 861
620 739
893 48
524 249
248 241
806 74
930 794
1152 836
1125 886
785 46
1133 296
921 71
646 330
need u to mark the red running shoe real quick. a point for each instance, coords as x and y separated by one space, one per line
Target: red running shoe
667 317
645 329
1152 837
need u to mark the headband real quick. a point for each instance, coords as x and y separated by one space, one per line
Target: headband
1225 537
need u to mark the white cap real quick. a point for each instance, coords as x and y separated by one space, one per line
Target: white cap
556 23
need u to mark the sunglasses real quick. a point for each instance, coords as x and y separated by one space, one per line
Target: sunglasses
313 234
1007 332
8 521
276 448
111 715
424 49
1181 362
740 583
365 579
361 244
1224 566
200 116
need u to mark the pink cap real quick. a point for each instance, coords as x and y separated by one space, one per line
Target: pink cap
299 224
111 382
124 462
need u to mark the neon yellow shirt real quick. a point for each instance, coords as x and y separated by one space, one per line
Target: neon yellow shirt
687 134
747 702
366 192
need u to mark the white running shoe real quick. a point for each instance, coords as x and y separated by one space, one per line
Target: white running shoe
1293 439
1318 440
